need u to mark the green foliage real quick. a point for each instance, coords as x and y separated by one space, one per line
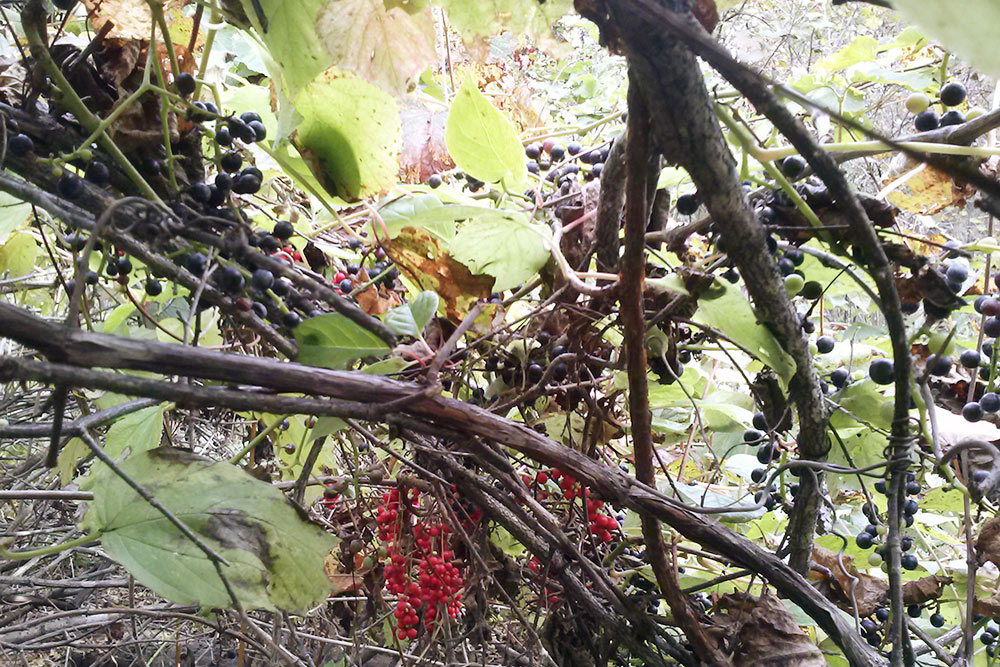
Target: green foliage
348 134
136 432
505 245
275 557
482 141
410 319
332 340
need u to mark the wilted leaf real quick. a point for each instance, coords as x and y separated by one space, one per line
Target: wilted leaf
131 18
331 340
953 429
924 191
341 581
836 582
387 42
424 151
988 542
426 263
766 633
349 134
275 556
925 589
987 606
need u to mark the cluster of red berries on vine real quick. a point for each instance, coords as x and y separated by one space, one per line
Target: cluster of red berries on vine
421 570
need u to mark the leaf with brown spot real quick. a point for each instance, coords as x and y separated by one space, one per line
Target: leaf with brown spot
766 633
420 256
925 191
925 589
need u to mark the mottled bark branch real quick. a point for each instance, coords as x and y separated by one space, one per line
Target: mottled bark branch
633 270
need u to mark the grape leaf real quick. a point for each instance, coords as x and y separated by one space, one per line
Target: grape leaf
138 431
387 42
275 556
479 20
482 141
291 39
332 340
731 314
967 27
409 319
349 134
503 244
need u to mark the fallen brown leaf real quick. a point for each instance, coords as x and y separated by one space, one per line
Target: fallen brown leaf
766 633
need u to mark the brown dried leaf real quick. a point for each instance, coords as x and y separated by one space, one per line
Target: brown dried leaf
767 635
925 191
988 542
706 13
835 582
342 582
987 606
131 18
373 299
423 152
923 590
418 254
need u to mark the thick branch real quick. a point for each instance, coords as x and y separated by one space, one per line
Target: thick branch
633 264
688 133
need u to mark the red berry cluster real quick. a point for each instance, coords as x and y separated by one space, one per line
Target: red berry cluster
289 253
600 524
424 576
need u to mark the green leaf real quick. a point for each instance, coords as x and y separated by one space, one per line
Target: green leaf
387 42
426 212
332 340
503 244
18 254
482 141
967 27
118 316
326 426
409 319
291 39
349 134
484 18
137 432
275 555
13 213
731 314
862 48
